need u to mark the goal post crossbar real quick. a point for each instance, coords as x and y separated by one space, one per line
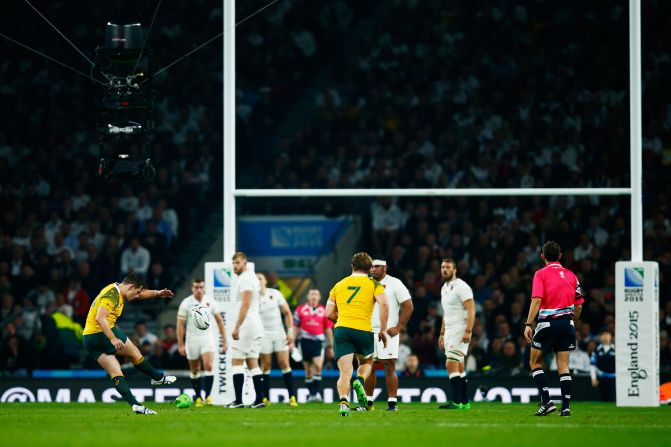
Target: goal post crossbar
431 192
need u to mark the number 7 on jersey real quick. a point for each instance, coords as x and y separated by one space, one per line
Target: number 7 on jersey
356 290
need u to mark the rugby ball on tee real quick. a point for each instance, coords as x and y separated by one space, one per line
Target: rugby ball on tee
201 317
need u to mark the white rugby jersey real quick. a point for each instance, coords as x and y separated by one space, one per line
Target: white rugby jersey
396 293
452 297
184 312
247 281
271 315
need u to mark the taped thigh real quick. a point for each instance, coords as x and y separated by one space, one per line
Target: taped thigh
454 356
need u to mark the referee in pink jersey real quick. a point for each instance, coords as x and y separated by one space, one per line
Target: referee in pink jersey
557 299
314 330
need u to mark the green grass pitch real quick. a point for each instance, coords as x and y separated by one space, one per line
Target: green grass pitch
486 424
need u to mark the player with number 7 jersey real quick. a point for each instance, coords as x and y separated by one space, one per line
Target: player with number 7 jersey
350 306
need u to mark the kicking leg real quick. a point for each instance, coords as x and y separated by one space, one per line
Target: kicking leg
111 365
141 364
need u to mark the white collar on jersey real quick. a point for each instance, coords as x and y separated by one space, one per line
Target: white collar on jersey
358 274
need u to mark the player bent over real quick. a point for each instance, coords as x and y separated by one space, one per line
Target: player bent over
456 297
275 338
350 306
200 345
400 309
103 339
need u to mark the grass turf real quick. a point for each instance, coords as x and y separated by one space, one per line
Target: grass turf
495 424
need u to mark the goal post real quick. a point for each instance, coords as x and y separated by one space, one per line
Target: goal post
649 393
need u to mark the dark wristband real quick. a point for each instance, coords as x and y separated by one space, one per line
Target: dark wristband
528 324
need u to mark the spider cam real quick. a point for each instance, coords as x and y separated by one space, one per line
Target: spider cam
125 103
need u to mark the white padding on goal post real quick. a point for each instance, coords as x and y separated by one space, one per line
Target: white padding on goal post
219 283
637 333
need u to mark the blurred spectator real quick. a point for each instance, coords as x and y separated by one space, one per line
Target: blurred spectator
411 367
169 341
8 307
143 335
14 360
387 221
29 322
509 357
603 367
275 282
581 365
425 345
157 356
66 347
156 278
78 298
135 258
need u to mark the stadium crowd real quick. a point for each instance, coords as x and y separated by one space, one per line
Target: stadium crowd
64 232
470 112
453 106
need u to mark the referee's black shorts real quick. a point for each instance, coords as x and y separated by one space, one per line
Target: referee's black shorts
556 335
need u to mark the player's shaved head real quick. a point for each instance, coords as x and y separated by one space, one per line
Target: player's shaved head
361 262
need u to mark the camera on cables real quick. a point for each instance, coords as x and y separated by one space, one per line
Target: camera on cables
125 103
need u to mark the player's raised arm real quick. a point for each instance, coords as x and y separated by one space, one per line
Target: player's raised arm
149 294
